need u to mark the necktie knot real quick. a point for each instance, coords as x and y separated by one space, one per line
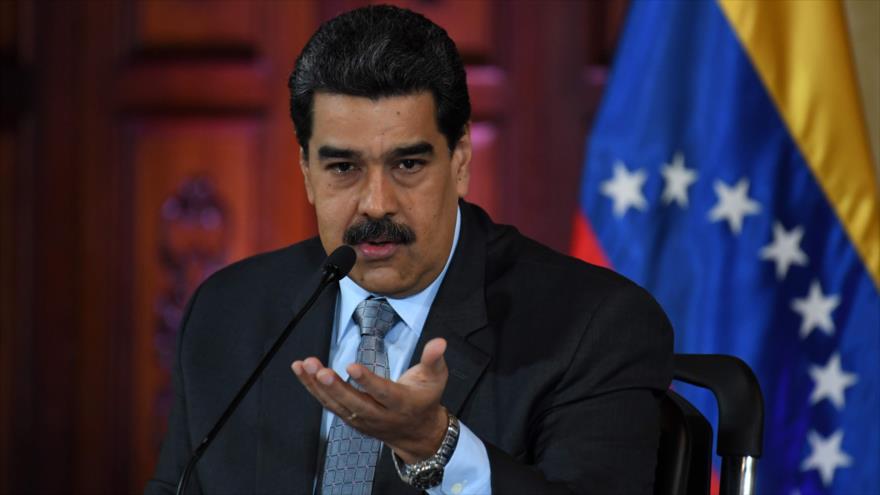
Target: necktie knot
375 317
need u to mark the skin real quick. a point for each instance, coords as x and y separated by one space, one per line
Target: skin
372 159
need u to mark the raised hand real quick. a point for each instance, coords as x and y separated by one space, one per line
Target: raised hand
406 415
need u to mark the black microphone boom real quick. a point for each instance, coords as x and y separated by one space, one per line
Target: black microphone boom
337 266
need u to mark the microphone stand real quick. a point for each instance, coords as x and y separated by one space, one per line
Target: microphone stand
331 274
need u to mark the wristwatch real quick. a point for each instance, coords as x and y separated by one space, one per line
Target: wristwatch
429 472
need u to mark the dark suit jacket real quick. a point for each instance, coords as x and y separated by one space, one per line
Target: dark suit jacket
554 363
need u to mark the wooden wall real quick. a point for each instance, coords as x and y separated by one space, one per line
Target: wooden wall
144 144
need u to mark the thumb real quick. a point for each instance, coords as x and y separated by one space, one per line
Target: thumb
432 356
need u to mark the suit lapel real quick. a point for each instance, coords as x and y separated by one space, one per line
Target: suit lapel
290 417
458 314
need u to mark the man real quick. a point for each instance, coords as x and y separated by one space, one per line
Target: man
457 356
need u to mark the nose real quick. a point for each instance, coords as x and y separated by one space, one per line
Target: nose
378 196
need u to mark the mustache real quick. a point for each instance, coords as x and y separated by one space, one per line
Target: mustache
382 230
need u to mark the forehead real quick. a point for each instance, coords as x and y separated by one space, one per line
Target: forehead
364 123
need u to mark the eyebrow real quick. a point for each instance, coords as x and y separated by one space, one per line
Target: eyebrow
420 148
327 152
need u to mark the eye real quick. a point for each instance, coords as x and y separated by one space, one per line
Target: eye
340 168
410 165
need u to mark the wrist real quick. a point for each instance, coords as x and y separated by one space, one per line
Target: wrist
425 444
428 473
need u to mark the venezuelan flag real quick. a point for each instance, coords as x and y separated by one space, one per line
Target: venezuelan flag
729 173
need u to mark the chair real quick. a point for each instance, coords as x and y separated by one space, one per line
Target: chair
685 455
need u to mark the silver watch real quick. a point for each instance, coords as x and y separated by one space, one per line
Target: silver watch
429 472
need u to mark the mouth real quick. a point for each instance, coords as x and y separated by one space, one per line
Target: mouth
376 250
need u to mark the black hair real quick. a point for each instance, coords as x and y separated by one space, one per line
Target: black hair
381 51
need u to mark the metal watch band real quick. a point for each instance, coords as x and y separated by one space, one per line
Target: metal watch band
429 472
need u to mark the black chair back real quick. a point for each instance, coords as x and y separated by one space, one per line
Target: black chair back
685 454
685 444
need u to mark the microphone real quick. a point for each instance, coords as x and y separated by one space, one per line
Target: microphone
339 263
335 267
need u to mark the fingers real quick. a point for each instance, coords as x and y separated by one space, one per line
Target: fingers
332 392
431 372
432 356
398 413
384 391
307 372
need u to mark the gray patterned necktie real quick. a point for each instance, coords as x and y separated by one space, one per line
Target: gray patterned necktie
350 461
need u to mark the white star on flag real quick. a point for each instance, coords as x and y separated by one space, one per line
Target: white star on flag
826 455
733 204
625 189
785 250
831 382
678 179
815 310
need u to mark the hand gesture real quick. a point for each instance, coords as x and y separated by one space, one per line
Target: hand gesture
406 415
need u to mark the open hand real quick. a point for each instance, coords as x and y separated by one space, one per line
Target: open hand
406 415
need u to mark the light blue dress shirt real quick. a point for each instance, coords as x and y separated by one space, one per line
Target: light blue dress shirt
468 470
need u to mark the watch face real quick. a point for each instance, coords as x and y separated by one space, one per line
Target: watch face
428 479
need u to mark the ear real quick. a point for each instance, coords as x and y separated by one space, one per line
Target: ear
461 162
307 178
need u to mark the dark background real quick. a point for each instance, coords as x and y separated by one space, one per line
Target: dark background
144 144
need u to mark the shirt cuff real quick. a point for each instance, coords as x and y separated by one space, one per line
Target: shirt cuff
468 471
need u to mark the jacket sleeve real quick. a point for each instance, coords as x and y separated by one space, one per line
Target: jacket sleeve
176 447
601 430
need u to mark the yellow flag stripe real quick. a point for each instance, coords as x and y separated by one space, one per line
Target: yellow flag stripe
801 52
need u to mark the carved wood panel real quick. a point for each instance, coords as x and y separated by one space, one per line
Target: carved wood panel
174 26
193 211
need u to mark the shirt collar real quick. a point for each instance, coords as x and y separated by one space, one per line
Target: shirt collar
413 310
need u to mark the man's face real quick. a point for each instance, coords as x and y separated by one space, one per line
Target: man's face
371 160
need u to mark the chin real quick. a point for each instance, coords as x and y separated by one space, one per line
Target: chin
381 282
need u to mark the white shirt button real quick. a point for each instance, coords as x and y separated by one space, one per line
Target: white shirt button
456 488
